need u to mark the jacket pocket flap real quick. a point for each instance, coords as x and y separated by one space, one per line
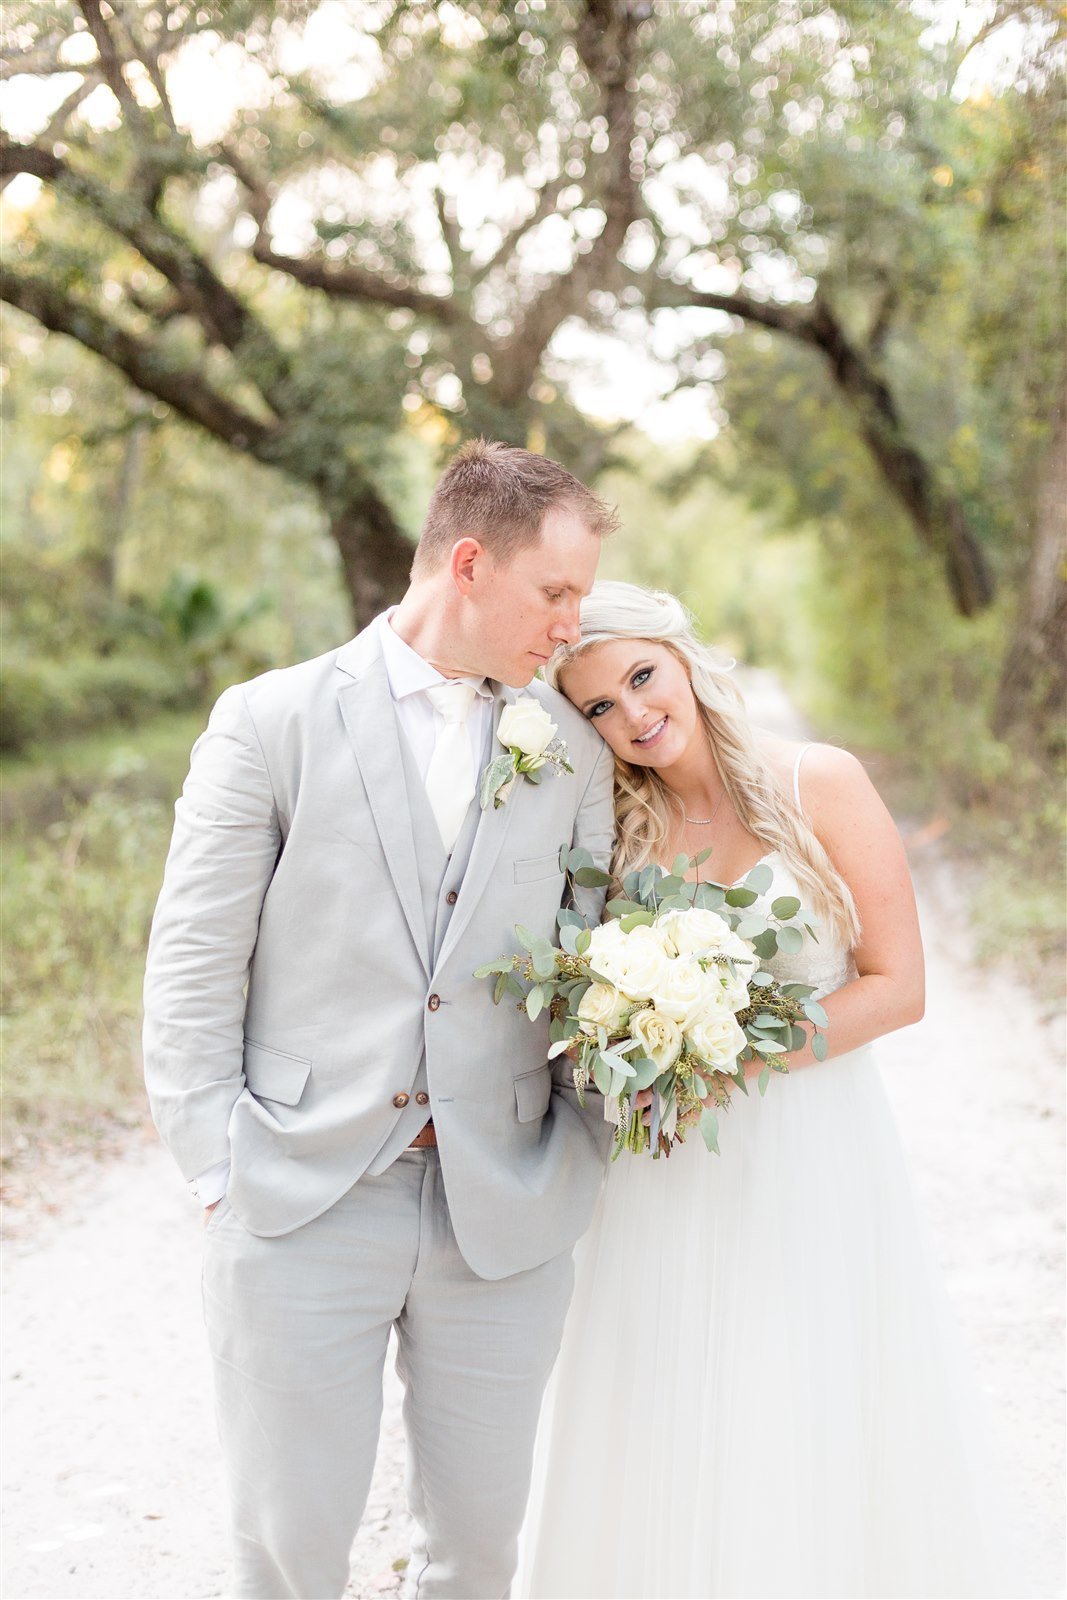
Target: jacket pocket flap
273 1075
533 1091
534 867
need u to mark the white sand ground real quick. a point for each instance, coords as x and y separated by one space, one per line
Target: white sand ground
112 1481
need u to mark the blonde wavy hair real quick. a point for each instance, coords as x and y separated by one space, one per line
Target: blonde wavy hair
645 807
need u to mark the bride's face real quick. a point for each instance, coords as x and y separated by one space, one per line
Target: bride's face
638 696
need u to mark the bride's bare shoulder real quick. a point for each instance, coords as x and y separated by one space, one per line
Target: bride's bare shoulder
829 776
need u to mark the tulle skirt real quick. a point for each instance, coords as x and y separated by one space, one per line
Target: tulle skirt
759 1391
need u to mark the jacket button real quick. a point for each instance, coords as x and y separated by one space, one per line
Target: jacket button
434 1002
422 1099
451 897
400 1101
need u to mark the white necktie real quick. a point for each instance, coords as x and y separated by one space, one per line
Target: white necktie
450 775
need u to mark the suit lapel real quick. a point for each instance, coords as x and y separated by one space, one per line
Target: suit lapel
493 826
370 719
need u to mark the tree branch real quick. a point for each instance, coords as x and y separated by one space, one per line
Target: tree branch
353 283
224 317
545 205
111 63
142 362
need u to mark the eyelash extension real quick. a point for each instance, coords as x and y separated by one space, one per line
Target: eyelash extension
644 673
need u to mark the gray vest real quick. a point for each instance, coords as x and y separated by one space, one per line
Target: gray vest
440 880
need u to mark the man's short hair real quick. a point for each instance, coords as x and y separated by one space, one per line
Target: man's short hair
500 495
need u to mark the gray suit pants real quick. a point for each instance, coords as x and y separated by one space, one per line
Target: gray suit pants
298 1327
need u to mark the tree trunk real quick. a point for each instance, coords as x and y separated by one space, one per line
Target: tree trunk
938 517
1032 695
375 556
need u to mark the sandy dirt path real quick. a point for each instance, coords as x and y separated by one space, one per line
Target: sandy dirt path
112 1480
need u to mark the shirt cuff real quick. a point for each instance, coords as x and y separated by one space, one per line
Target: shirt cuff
211 1185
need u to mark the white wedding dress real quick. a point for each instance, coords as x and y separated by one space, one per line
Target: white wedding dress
758 1391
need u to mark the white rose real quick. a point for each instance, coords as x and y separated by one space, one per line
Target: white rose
732 986
637 964
603 1005
697 931
719 1041
659 1038
687 993
603 941
526 726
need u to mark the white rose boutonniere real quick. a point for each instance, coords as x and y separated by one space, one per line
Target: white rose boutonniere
528 734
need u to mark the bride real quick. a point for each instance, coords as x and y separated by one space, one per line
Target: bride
757 1393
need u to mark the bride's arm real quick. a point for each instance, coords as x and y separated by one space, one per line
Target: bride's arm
861 839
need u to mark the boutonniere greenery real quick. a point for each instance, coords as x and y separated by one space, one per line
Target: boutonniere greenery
528 735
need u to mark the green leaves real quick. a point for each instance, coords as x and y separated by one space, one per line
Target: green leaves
496 773
785 907
709 1129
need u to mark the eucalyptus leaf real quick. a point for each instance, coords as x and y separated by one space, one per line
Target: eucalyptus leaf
766 944
709 1128
560 1048
577 858
583 941
491 967
785 906
645 1071
535 1003
680 865
544 959
740 897
760 878
790 941
819 1047
591 878
815 1013
636 919
500 988
764 1080
620 906
751 927
570 919
601 1075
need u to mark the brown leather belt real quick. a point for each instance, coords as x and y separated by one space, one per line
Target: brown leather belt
425 1136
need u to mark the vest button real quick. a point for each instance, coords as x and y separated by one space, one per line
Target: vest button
422 1099
434 1002
451 897
400 1101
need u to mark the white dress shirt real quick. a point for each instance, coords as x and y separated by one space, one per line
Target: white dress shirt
409 677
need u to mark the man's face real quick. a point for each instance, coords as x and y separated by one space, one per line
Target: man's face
522 609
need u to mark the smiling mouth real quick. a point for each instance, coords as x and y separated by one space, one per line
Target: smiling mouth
653 733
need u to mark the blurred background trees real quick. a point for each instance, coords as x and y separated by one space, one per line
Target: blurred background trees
784 279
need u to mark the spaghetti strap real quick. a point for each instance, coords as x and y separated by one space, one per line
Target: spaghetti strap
801 753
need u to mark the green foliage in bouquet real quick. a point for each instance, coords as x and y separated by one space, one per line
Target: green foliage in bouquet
678 1011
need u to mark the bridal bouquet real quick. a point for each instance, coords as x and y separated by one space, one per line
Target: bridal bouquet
668 995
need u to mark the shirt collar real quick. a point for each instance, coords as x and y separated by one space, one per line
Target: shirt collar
406 670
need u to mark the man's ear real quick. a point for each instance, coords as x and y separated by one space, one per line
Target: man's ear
467 555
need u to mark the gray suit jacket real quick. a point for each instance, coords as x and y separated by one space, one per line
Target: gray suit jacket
291 992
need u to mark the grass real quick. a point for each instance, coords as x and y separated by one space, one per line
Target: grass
86 825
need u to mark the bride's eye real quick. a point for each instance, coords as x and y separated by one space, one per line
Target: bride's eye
641 676
599 709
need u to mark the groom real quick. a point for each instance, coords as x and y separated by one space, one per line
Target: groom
388 1149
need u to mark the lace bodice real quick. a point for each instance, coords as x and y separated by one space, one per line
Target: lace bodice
827 964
